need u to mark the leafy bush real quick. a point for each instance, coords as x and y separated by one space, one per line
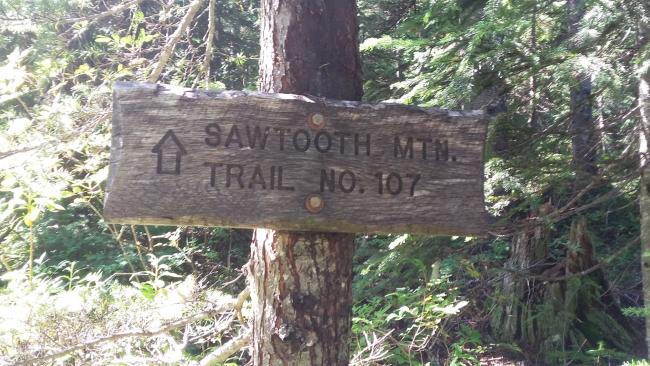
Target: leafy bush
74 319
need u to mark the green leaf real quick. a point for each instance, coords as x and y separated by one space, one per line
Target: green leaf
31 216
147 290
102 39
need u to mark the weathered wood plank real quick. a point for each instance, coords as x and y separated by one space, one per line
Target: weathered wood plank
289 162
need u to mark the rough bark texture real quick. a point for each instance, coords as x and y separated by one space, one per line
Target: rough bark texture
546 316
644 201
513 321
301 290
310 47
301 283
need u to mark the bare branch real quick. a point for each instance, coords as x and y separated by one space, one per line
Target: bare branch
6 154
208 42
175 37
374 352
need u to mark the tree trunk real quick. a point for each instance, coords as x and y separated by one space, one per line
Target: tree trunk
301 282
644 150
514 320
582 128
301 292
310 47
644 197
545 315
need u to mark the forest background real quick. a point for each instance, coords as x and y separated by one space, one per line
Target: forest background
558 281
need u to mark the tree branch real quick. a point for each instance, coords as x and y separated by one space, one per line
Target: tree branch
227 349
208 43
175 37
239 303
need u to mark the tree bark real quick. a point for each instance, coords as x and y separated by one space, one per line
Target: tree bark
644 198
310 47
582 127
644 150
301 282
302 297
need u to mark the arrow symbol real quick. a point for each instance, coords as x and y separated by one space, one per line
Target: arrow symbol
172 146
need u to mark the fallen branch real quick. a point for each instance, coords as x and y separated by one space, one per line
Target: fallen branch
175 37
6 154
227 349
133 333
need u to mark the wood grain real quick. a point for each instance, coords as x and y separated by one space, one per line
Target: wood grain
187 157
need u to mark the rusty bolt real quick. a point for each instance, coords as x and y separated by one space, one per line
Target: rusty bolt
314 203
316 121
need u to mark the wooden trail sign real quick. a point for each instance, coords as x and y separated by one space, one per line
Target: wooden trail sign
290 162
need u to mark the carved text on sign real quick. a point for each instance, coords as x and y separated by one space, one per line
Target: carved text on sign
239 159
300 141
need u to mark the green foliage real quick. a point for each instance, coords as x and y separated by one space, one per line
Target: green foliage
467 349
637 311
405 289
518 59
636 363
112 319
418 300
76 235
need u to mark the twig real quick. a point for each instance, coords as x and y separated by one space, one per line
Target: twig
137 247
10 228
116 235
55 141
9 97
149 239
231 282
175 37
6 154
579 195
229 248
79 33
375 348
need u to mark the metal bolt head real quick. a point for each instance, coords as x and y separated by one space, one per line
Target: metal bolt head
314 203
316 121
